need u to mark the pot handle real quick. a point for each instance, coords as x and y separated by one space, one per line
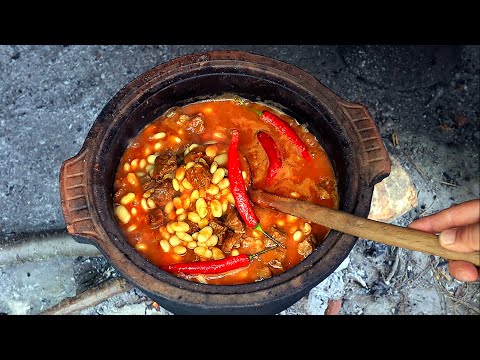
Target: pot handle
374 153
75 204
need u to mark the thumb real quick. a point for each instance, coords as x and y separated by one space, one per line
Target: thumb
461 239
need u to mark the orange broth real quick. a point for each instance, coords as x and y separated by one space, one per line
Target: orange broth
313 181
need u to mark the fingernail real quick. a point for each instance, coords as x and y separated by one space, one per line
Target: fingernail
447 237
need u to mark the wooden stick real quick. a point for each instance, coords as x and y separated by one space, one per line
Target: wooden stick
89 298
365 228
43 246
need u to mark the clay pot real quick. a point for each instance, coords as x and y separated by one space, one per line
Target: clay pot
345 130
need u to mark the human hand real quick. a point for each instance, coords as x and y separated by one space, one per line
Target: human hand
459 228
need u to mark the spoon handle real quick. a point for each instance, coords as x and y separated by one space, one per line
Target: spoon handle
364 228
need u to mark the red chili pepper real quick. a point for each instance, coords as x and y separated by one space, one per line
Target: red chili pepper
210 266
274 156
213 266
237 187
286 130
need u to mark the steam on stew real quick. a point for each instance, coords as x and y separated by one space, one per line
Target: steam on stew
173 198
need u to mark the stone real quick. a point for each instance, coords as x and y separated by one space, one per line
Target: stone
393 196
333 307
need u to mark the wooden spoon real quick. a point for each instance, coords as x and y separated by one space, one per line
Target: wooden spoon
357 226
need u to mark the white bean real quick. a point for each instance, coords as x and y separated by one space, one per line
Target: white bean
176 184
151 204
211 150
200 251
179 250
297 235
218 175
208 254
194 195
202 223
212 189
180 173
194 217
131 178
224 183
212 240
127 199
200 204
174 240
204 234
192 244
213 167
165 245
221 159
122 214
151 159
180 226
186 184
159 135
217 253
168 207
307 228
216 208
184 236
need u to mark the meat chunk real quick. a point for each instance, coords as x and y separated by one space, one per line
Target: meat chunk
192 227
324 188
305 248
157 218
322 193
234 222
182 119
253 244
165 164
278 235
147 183
219 230
163 193
198 176
263 273
194 154
231 241
195 125
276 264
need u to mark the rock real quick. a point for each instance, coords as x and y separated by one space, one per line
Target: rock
333 307
394 196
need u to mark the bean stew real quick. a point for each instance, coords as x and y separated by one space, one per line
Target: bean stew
181 191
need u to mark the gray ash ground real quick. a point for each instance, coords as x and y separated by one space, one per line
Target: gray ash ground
426 97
